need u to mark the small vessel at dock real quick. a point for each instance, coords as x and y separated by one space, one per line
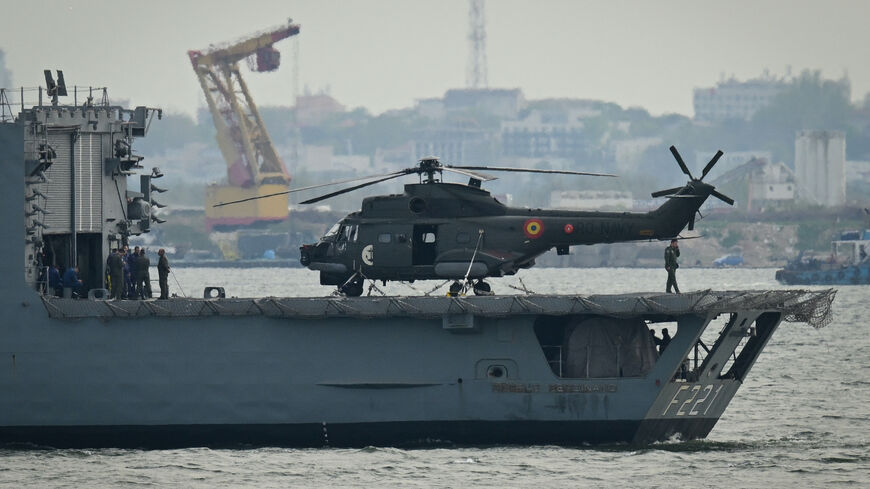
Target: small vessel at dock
848 263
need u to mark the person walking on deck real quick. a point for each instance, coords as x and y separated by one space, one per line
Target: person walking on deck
671 265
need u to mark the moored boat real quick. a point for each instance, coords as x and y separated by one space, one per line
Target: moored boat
848 263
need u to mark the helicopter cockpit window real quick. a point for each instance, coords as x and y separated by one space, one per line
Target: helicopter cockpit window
333 231
428 237
462 237
384 238
350 233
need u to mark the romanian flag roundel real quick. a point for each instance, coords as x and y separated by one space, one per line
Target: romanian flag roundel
533 228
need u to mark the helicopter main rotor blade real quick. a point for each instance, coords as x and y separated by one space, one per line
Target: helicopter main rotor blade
355 187
530 170
722 197
357 179
666 192
299 189
711 163
470 174
221 204
681 162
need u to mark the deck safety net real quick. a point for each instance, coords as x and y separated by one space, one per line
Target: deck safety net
813 307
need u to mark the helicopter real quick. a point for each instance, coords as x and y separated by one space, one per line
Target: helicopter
460 232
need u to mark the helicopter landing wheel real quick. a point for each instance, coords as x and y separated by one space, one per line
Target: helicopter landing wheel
455 289
482 288
352 288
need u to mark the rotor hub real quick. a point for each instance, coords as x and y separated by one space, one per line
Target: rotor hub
429 165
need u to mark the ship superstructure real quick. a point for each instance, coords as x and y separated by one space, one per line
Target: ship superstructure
76 161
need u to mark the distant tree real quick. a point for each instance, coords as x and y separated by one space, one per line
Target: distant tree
810 102
278 121
595 129
858 133
363 133
171 133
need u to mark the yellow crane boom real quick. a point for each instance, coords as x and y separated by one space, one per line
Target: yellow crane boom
254 168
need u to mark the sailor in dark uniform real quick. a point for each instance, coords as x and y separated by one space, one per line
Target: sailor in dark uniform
664 341
54 281
71 281
163 273
116 274
671 265
130 272
143 278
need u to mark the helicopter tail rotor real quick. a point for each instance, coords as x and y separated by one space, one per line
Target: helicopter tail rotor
681 162
710 164
722 197
669 191
689 189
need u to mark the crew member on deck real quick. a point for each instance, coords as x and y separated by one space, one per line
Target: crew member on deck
54 282
143 277
116 274
671 265
664 341
71 281
130 270
163 274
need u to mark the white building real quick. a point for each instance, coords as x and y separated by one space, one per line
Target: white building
538 135
734 99
322 159
771 181
820 162
505 103
432 108
312 110
401 156
629 151
756 183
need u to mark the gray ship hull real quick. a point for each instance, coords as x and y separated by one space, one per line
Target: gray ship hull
355 372
324 371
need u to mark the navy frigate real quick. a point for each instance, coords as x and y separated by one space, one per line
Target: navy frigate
325 371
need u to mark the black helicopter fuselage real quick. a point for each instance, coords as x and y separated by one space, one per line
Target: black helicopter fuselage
454 231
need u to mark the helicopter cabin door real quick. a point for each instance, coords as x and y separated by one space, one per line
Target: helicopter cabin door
424 244
386 246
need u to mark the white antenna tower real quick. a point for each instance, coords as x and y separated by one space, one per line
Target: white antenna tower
476 75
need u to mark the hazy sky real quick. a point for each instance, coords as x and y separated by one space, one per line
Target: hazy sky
384 54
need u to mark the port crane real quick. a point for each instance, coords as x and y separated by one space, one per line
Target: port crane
254 168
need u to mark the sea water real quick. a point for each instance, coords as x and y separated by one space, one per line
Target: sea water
801 419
